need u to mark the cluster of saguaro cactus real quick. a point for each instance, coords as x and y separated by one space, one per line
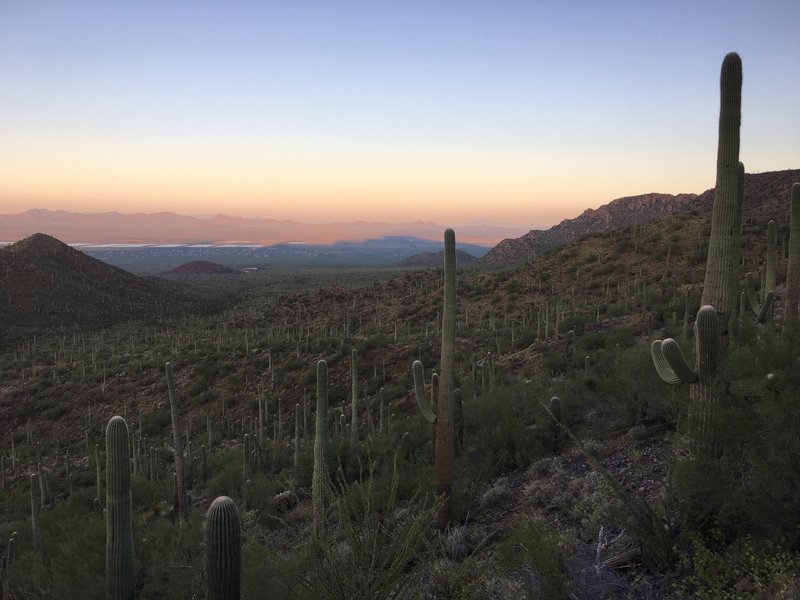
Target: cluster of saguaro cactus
183 505
223 550
319 482
119 532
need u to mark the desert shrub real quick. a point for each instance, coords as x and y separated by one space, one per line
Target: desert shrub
533 549
373 544
742 570
499 429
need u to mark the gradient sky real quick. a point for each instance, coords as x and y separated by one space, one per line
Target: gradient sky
511 112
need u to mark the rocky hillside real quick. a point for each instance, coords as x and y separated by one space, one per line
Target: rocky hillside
766 197
48 284
436 259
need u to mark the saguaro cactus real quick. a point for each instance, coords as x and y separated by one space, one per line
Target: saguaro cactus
720 288
705 390
319 481
223 550
762 306
119 533
183 507
36 531
793 267
296 437
354 400
445 406
555 422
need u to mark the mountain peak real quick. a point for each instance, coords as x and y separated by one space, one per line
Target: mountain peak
40 242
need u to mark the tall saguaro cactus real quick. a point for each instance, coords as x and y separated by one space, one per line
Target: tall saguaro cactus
793 268
445 405
119 532
319 481
354 400
223 550
36 531
183 507
720 288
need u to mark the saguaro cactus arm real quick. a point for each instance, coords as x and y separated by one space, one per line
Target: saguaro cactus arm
419 391
663 368
674 356
760 309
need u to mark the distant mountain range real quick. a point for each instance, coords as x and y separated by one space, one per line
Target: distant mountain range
766 197
166 227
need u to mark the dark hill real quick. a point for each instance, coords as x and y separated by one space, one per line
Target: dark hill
766 197
202 267
435 259
46 284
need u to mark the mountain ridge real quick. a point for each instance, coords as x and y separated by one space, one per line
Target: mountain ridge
166 227
764 193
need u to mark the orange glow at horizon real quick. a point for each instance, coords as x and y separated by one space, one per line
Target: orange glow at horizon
461 187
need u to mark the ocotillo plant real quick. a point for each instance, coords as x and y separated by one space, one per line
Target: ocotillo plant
793 268
223 550
319 482
119 532
183 507
720 288
445 406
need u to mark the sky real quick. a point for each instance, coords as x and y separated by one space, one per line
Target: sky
511 112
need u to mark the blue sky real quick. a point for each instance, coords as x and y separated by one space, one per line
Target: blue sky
449 111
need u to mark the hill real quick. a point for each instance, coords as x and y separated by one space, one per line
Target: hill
766 195
436 259
49 285
202 267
